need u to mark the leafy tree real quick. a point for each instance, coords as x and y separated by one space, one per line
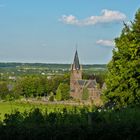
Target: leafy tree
38 85
123 79
29 86
62 92
3 90
58 94
100 76
40 82
85 94
49 86
53 83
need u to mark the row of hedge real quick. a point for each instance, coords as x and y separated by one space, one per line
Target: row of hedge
78 124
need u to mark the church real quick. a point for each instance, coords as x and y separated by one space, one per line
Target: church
80 88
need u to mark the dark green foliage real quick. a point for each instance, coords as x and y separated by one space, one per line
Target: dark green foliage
72 124
3 90
123 80
33 86
54 82
98 75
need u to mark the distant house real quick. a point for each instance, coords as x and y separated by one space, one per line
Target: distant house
12 78
78 85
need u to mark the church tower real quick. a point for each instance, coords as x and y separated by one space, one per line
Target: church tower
76 74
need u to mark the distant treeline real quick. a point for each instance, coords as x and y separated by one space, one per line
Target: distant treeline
48 65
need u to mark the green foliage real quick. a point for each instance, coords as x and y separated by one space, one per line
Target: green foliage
53 83
33 86
10 106
85 94
63 92
51 98
98 75
77 123
123 79
3 90
58 95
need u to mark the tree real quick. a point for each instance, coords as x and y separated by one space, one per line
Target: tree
85 94
58 94
62 92
123 79
30 86
40 88
99 76
53 83
3 90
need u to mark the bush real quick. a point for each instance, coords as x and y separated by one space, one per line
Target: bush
72 124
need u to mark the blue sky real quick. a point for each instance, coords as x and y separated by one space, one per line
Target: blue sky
47 31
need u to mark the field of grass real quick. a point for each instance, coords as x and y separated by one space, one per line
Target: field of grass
9 107
12 106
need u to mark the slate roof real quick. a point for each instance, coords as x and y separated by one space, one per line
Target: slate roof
82 82
76 64
92 84
87 83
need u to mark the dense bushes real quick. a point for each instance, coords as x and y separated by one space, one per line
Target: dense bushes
72 124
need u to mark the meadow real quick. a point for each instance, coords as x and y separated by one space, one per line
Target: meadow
8 107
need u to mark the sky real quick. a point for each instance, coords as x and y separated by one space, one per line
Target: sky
49 31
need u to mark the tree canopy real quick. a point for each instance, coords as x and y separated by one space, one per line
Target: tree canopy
62 92
123 79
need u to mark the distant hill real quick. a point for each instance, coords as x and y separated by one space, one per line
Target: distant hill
49 65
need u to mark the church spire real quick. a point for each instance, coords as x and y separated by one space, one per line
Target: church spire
76 64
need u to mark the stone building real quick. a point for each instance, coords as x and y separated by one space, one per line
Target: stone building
79 86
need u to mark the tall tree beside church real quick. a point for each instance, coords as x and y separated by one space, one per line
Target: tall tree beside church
62 92
85 94
123 80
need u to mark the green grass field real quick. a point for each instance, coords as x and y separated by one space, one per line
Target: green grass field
11 106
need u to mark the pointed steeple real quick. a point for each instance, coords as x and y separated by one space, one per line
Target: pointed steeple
76 64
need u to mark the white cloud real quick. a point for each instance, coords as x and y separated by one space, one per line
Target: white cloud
105 43
69 19
107 16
